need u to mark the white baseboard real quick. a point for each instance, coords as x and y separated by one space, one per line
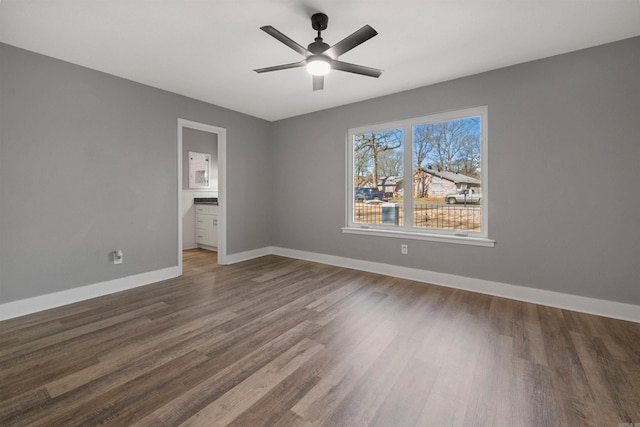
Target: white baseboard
44 302
616 310
245 256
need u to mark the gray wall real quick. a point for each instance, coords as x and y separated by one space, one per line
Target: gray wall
200 142
564 167
88 164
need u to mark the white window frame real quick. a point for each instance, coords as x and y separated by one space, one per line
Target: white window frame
407 231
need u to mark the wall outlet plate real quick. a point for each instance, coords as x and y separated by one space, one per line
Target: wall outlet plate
117 257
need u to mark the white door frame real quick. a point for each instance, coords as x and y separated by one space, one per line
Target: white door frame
222 186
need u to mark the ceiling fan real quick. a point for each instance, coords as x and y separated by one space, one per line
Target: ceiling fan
320 58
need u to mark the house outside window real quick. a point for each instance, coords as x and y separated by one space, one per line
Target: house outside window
422 178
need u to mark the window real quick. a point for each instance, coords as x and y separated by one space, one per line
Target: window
422 178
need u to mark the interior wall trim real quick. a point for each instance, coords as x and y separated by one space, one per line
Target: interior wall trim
26 306
612 309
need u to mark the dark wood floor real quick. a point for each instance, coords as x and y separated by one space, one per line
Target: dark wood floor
282 342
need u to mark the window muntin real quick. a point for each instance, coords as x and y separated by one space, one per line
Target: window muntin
438 156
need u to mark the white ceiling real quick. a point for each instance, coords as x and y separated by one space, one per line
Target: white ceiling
207 49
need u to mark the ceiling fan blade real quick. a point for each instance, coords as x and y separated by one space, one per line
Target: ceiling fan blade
284 39
357 69
282 67
318 82
349 42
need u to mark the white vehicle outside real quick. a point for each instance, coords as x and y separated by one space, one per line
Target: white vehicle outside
468 195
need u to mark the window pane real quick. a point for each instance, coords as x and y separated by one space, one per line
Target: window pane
447 190
378 169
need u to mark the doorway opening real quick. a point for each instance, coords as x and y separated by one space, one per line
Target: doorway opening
221 136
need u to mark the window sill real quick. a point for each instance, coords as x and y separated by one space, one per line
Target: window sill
401 234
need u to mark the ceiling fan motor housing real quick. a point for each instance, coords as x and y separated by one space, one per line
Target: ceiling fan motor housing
318 46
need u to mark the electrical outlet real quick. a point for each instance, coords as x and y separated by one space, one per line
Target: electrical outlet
117 257
404 249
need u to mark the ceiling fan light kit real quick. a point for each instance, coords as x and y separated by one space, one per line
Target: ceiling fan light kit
320 58
318 65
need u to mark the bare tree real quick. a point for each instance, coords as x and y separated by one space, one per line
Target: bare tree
422 145
361 167
372 144
468 162
452 146
390 163
423 181
422 148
